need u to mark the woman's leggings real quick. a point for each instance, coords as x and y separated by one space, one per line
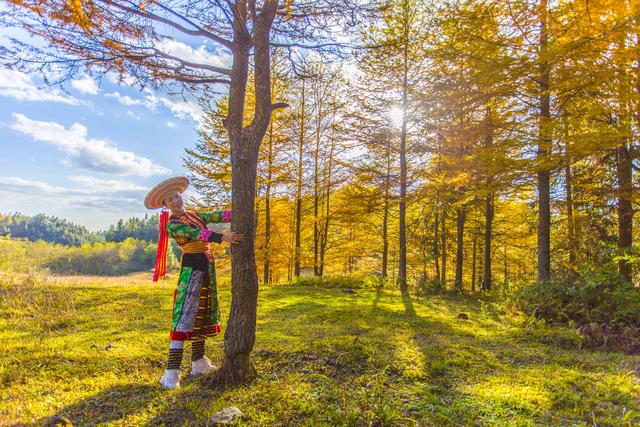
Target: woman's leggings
176 349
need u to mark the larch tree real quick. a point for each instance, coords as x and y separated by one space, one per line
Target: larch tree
394 61
123 37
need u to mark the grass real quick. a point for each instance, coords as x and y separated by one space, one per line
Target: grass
92 350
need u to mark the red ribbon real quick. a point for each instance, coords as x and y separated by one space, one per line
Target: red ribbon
163 245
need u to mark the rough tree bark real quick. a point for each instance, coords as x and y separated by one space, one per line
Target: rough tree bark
245 144
299 186
544 149
267 212
488 229
625 208
473 263
461 214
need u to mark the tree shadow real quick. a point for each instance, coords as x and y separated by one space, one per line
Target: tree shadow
108 405
467 358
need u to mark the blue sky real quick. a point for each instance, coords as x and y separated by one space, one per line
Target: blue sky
91 153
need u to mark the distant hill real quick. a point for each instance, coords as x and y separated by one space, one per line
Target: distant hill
47 228
58 230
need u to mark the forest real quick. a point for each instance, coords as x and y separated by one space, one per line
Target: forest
469 147
465 146
467 141
438 200
57 230
53 244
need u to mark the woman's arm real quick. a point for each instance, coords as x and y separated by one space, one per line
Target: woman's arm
216 216
193 233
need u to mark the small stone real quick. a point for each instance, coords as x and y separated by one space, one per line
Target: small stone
226 416
58 421
348 291
463 316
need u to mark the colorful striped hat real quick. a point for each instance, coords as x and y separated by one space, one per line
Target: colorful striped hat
156 196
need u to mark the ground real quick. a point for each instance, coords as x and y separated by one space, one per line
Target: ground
92 350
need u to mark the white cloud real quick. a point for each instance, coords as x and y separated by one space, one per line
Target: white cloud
132 114
106 185
90 154
86 85
171 124
181 108
113 195
124 99
18 85
199 56
25 186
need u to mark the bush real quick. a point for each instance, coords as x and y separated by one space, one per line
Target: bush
103 258
604 308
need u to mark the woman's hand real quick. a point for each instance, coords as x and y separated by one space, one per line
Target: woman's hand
232 237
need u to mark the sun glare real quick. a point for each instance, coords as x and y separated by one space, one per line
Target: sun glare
396 114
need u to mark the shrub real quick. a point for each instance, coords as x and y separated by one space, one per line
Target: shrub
102 258
604 308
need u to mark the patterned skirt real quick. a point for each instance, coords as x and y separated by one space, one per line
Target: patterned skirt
195 301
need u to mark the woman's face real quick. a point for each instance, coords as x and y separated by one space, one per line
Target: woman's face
174 202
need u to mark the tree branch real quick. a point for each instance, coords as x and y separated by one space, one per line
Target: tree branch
200 32
212 68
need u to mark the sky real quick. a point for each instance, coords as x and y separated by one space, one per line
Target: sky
89 153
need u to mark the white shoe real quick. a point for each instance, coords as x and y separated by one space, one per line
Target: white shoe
171 378
201 366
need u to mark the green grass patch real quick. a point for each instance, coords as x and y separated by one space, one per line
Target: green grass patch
92 350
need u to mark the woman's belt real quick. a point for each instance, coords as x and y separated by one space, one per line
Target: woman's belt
195 247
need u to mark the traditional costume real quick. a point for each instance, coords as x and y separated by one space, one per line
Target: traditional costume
196 314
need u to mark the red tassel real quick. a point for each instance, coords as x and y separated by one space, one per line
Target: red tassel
163 245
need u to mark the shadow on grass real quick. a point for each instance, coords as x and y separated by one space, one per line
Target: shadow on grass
346 348
107 405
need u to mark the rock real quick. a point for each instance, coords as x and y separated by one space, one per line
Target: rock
463 316
58 421
348 291
226 416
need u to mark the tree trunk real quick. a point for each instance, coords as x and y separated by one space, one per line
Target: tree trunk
473 264
460 220
443 281
256 214
624 168
571 228
316 193
544 149
267 210
481 267
241 327
506 268
625 209
402 261
488 231
299 189
325 230
436 239
245 144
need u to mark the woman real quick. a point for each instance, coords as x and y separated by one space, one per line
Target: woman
195 307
